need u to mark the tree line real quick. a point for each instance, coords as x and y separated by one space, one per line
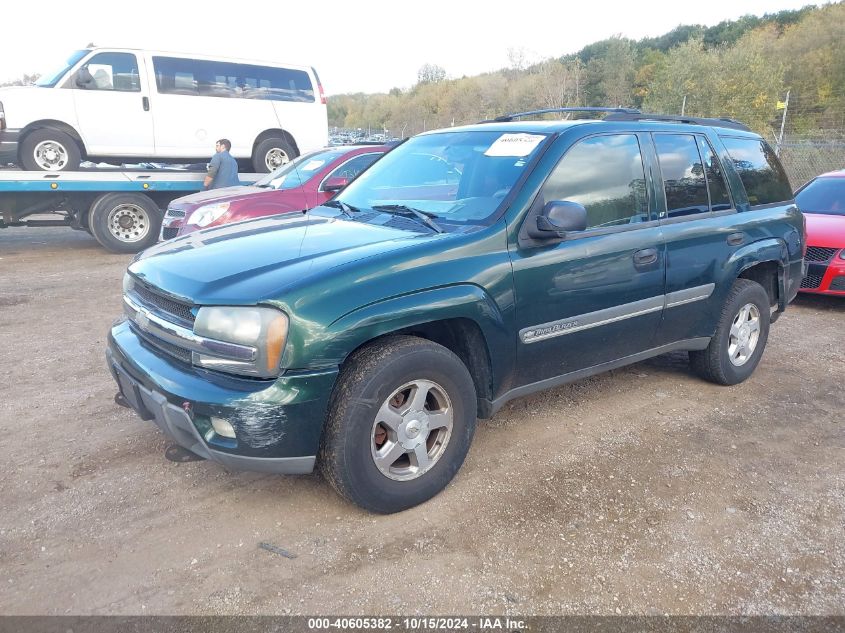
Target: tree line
741 69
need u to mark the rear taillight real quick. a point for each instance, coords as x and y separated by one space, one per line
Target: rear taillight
319 86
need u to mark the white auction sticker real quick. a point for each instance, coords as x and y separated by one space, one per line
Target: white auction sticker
313 164
514 145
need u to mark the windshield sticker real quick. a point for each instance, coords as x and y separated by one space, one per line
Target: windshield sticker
313 164
514 145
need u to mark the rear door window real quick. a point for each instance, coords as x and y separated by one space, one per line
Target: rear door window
759 169
683 175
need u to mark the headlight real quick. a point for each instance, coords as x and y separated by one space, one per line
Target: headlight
842 254
209 213
263 329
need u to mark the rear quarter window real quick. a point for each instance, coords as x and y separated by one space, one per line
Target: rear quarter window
759 169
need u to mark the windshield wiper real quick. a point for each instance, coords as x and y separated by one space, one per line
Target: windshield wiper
410 212
346 209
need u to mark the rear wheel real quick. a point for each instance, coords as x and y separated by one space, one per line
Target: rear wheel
124 222
740 338
272 153
400 424
47 149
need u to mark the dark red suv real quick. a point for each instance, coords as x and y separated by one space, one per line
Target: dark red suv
301 184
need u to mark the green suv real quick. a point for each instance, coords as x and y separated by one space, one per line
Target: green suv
467 267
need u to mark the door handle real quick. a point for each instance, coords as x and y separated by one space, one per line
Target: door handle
145 101
735 239
645 256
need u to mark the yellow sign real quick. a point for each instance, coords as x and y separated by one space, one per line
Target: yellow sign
781 105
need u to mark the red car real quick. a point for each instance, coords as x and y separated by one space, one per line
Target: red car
823 202
301 184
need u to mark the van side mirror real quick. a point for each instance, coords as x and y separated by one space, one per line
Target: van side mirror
335 183
84 79
558 218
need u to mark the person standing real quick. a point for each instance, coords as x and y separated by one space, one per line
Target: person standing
223 169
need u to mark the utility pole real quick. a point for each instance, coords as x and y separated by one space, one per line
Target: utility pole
684 105
782 124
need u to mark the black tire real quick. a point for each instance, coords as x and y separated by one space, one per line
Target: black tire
272 153
43 146
714 363
124 222
366 383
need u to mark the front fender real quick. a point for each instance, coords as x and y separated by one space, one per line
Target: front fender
459 301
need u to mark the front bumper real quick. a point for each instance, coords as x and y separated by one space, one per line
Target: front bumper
9 141
277 424
825 277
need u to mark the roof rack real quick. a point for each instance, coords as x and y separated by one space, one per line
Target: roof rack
671 118
517 115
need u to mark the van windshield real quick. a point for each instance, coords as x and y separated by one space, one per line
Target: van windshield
459 177
49 80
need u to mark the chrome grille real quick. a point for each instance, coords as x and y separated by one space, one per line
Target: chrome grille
165 306
175 213
819 254
169 232
179 353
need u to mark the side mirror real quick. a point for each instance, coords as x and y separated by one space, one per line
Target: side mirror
335 183
84 79
558 218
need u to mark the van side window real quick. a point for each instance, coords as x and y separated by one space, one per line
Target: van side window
720 200
114 71
759 169
605 174
177 75
683 175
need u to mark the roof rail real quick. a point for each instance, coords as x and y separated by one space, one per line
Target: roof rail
510 117
672 118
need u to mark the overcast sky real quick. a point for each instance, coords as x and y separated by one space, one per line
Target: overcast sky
356 46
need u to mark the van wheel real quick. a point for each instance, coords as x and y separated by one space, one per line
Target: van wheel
47 149
124 222
400 423
740 338
272 153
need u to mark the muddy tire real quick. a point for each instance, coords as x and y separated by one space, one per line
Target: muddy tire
400 423
740 338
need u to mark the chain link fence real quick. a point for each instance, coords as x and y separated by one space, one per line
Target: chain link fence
806 159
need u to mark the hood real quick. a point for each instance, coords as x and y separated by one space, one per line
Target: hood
827 231
258 260
226 194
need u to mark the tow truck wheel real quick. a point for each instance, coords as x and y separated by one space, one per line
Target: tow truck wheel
124 222
49 150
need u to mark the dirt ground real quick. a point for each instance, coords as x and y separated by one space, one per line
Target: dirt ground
644 490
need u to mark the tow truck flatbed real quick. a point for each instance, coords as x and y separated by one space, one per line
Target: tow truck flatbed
121 208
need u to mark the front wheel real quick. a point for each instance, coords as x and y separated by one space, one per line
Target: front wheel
47 149
400 424
124 222
740 337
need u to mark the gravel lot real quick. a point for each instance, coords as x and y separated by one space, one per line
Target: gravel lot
644 490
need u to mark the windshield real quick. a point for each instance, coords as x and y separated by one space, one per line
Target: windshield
300 170
824 195
49 80
457 176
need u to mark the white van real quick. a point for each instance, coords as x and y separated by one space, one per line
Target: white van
107 104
